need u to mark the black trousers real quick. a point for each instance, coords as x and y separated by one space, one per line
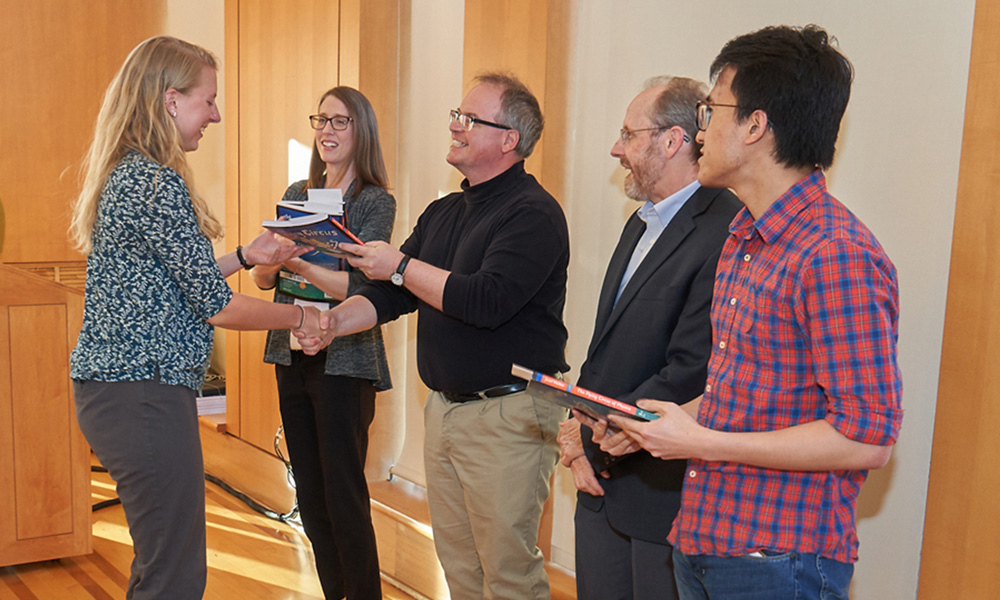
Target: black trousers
613 566
326 421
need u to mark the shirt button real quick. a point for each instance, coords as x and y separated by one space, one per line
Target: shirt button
722 345
708 387
746 258
732 301
692 473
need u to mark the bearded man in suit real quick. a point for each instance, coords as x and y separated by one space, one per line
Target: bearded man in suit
652 339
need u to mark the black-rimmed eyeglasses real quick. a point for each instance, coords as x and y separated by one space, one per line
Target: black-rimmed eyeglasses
339 123
704 114
626 134
467 121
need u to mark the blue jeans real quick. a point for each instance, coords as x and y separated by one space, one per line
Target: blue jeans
789 576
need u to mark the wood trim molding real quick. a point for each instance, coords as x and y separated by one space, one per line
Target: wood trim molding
961 531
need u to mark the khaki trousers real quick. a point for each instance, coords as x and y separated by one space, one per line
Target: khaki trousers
488 465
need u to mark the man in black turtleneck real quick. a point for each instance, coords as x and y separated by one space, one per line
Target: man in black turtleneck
486 270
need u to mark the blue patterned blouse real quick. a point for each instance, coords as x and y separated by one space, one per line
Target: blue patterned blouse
152 281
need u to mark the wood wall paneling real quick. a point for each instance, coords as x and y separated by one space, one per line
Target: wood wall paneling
378 72
351 39
961 532
369 61
238 282
553 142
282 57
286 56
57 60
509 35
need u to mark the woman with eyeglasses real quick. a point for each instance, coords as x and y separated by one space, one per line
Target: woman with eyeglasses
154 291
327 401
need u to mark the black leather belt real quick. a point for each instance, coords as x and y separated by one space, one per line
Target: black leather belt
493 392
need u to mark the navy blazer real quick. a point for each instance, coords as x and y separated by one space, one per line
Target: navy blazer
655 343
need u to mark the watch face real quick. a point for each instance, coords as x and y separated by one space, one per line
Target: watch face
396 278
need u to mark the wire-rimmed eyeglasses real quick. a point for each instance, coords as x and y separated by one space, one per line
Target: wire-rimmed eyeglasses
467 121
626 134
339 122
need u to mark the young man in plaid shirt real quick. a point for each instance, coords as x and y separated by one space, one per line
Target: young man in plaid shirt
803 391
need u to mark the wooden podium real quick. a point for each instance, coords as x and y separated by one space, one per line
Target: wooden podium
44 460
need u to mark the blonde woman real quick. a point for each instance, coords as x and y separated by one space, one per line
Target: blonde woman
154 292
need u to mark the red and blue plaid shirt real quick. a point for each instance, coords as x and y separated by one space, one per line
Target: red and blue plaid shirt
804 324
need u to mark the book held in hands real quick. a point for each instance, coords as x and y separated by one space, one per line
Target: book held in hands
319 222
321 231
571 396
319 201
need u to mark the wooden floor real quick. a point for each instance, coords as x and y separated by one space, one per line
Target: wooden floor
250 557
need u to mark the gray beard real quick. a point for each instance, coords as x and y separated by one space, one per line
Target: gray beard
633 190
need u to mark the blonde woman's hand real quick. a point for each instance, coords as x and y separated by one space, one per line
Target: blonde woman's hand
271 249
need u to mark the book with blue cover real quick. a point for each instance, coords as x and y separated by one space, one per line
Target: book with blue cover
319 222
321 231
571 396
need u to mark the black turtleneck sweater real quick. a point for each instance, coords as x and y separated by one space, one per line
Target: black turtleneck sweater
506 244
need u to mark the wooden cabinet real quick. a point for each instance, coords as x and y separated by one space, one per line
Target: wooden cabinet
44 459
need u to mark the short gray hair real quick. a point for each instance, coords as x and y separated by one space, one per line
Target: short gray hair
519 109
676 106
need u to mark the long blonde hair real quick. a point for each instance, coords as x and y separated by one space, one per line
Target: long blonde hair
134 116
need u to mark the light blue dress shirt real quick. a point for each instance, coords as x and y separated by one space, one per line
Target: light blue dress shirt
656 216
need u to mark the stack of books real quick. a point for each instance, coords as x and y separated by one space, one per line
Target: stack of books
319 222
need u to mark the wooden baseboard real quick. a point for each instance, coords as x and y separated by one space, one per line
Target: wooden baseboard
245 467
405 543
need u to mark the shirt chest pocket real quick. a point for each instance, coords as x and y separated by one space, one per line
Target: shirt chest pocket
766 324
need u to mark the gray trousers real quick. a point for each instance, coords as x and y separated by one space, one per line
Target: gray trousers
146 435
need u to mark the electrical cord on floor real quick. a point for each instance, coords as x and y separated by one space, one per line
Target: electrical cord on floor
104 503
292 516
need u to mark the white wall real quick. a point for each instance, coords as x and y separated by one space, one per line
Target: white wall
896 168
431 73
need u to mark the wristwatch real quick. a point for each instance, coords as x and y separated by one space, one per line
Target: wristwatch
397 277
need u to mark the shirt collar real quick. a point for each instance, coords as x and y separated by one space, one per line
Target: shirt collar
492 188
780 214
665 209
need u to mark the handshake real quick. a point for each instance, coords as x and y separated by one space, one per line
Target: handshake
317 329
